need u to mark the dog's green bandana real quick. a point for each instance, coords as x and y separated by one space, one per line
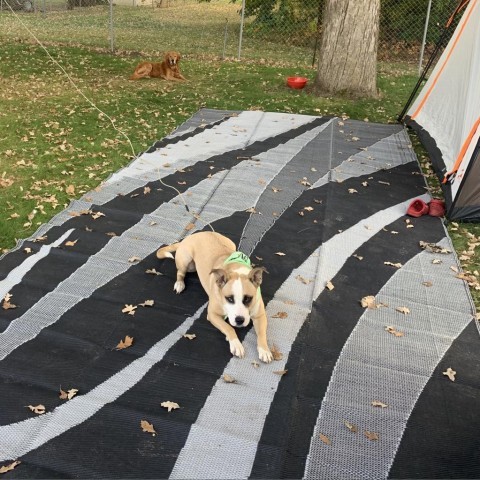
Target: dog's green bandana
238 257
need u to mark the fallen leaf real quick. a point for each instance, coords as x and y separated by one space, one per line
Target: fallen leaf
302 279
427 284
368 302
358 257
450 373
152 271
127 342
190 336
96 215
280 254
436 261
71 243
394 331
190 226
325 439
308 209
396 265
352 190
69 394
9 467
129 309
27 250
277 355
146 190
280 315
228 378
433 248
353 428
70 190
147 427
170 405
134 259
329 286
7 305
38 409
403 310
371 435
147 303
280 372
377 403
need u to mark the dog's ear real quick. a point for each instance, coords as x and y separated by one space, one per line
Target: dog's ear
256 275
221 276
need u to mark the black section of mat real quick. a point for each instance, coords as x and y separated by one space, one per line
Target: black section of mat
441 441
286 436
86 358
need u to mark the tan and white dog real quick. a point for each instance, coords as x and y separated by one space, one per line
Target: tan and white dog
231 283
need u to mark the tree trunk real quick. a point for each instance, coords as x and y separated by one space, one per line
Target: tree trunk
348 49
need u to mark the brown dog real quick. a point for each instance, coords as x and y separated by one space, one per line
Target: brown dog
168 69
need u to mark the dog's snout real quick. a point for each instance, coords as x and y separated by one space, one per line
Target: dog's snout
239 320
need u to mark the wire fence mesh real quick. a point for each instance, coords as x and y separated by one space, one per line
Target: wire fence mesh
277 31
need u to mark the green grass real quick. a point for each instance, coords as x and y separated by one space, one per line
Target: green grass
54 146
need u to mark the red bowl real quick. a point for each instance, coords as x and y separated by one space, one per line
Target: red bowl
297 82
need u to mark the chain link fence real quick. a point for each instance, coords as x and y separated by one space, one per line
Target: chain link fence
269 31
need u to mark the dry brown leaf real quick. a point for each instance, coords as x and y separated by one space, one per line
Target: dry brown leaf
358 257
308 209
190 226
7 305
71 243
147 427
127 342
190 336
70 190
147 303
96 215
396 265
371 435
353 428
352 190
134 259
378 403
436 261
427 284
152 271
450 373
329 286
404 310
280 372
280 315
277 355
368 302
9 467
146 190
69 394
170 405
27 250
228 378
38 409
303 280
129 309
280 254
325 439
394 331
433 248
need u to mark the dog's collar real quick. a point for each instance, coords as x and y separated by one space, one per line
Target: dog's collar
238 257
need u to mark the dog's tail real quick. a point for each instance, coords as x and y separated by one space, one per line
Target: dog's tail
166 252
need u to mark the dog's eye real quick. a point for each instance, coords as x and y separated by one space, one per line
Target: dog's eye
247 299
230 299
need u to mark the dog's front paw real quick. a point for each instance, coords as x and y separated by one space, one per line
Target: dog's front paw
236 348
265 355
179 286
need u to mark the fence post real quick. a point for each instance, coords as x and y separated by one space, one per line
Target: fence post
422 49
241 30
112 40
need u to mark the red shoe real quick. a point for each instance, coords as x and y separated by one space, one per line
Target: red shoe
437 208
417 208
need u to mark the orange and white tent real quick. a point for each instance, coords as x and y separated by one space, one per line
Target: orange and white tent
446 116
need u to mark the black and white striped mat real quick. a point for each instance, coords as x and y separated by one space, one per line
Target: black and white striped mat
321 203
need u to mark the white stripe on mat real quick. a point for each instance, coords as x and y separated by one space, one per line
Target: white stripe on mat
375 365
15 275
232 419
240 425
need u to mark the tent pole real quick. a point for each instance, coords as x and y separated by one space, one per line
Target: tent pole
422 49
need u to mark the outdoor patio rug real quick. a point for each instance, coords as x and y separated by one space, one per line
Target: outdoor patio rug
359 392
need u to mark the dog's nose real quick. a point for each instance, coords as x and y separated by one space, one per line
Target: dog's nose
239 320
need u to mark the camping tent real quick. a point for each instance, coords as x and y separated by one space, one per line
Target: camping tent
446 116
